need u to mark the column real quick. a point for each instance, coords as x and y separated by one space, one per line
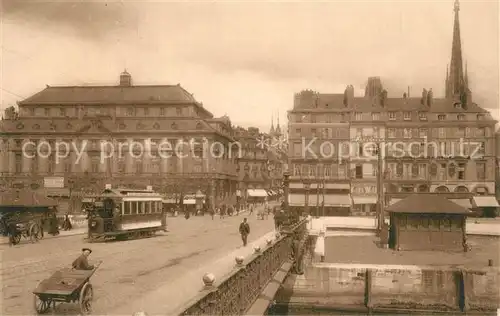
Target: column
128 158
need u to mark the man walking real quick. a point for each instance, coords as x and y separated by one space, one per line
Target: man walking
244 231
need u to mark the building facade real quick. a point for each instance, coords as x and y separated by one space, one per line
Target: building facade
497 146
70 141
416 144
260 165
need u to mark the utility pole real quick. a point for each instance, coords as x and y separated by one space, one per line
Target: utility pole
380 189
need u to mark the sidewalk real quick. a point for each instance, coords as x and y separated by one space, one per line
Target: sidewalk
171 297
76 231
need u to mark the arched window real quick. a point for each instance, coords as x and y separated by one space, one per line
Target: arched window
481 190
461 189
442 189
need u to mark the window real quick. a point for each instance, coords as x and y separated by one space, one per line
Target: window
422 116
359 172
19 163
481 132
434 170
146 111
461 117
162 111
32 111
179 111
461 132
422 132
391 133
342 117
134 207
375 116
126 208
327 171
481 148
313 118
441 117
296 170
423 169
461 171
130 111
480 117
138 166
358 116
67 165
313 132
341 171
407 133
298 131
481 170
407 116
399 170
147 207
94 165
359 132
441 132
312 171
62 112
154 207
452 170
392 116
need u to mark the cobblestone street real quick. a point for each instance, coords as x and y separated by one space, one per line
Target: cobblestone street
130 269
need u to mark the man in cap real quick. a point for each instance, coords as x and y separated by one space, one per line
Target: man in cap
244 231
82 263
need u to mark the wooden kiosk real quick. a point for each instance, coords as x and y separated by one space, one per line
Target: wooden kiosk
427 222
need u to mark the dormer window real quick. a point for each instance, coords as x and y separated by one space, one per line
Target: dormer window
407 116
480 117
422 116
441 117
458 106
461 117
392 116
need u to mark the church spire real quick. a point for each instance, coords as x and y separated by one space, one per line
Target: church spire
278 128
271 131
455 87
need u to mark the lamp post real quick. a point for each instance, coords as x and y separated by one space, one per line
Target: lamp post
286 185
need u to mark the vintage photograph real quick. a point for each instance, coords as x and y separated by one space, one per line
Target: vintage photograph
251 157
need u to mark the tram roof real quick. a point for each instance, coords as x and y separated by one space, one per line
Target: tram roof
124 192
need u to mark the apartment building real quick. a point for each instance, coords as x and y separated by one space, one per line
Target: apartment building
144 126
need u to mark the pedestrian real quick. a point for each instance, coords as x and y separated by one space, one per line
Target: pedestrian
244 231
81 263
67 223
212 212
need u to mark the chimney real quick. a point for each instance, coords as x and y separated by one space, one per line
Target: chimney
404 95
408 91
424 99
383 98
125 79
429 97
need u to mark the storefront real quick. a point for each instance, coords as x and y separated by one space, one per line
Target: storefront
485 206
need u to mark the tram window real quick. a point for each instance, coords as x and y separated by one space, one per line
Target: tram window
153 207
134 207
158 207
140 206
148 207
126 211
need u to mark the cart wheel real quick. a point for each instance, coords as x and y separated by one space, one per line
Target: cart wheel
34 232
41 306
16 239
86 295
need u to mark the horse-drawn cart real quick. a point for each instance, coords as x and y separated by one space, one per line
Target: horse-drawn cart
65 286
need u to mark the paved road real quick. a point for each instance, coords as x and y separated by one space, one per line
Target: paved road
130 269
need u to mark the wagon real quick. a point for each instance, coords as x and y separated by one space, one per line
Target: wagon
65 286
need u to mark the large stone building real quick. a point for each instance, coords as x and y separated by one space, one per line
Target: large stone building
420 141
123 135
260 165
497 137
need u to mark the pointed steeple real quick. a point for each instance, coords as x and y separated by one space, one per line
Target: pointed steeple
278 128
455 87
466 77
271 131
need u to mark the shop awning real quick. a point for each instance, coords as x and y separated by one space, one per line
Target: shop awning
394 201
484 201
168 201
54 192
462 202
257 193
189 201
337 200
364 200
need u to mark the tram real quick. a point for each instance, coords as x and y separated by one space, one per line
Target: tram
124 214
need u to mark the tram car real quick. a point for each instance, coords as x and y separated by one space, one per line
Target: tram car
125 214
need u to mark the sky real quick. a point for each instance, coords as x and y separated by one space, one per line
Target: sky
246 59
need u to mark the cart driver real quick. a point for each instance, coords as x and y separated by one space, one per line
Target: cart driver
82 263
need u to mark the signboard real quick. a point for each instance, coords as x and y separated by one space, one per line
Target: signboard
53 182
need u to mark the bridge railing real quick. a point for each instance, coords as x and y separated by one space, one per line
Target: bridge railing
237 291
